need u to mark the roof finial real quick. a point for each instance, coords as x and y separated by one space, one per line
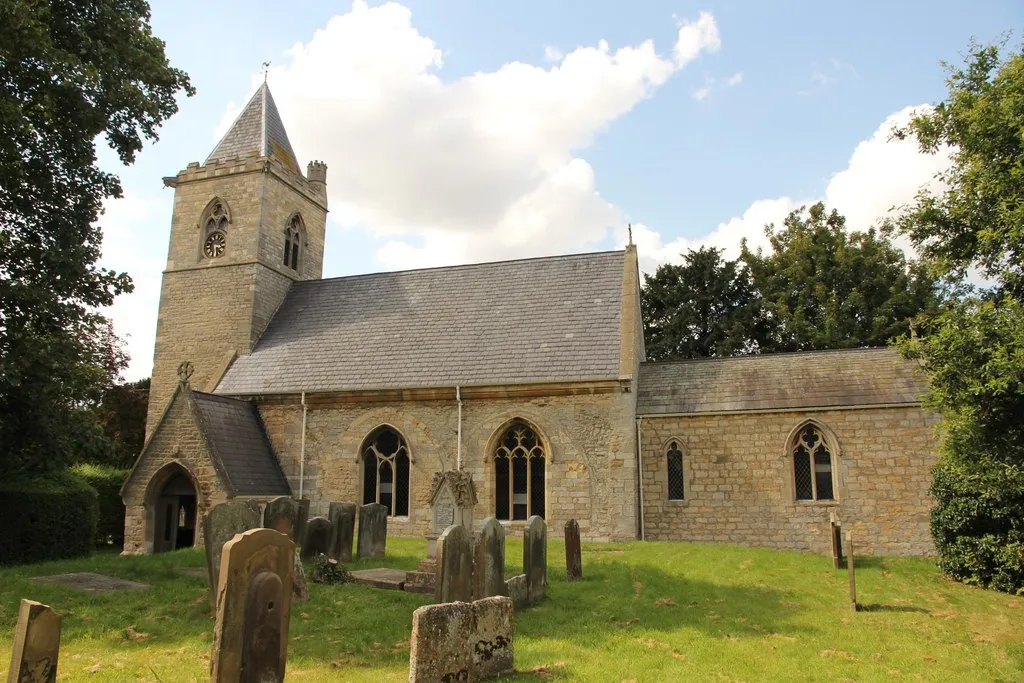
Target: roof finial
266 68
185 371
629 227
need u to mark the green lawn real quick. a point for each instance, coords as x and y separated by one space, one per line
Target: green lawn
644 612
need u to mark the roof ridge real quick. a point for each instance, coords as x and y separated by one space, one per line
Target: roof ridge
774 354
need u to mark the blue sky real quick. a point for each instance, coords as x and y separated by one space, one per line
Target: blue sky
457 131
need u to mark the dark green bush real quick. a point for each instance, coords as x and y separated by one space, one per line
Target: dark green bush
107 481
46 517
326 570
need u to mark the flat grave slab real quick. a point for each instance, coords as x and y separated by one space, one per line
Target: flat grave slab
91 583
393 579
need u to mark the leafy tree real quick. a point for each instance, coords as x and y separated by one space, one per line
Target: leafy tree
70 71
826 288
973 350
122 414
704 307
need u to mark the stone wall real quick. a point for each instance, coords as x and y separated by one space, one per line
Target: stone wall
739 480
590 469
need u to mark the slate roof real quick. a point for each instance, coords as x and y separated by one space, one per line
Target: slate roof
511 322
258 131
235 433
816 379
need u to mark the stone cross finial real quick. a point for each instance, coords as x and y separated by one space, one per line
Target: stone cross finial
185 371
629 227
266 69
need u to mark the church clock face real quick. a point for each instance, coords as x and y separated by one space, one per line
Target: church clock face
214 245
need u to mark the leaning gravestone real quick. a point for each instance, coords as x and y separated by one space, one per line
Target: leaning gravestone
317 539
343 523
250 640
287 515
489 560
373 530
36 645
535 558
573 553
492 653
220 525
454 582
439 646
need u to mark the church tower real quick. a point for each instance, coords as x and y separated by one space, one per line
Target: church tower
246 224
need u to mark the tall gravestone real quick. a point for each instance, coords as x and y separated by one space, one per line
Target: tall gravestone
36 645
454 582
220 525
535 558
287 515
317 538
489 560
250 639
343 525
573 552
373 530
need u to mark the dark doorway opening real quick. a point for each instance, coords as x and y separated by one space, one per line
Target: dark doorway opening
175 519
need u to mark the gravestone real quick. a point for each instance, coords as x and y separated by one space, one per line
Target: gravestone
454 580
439 646
489 560
317 539
515 589
492 651
299 589
250 640
287 515
220 525
373 530
835 530
573 553
452 497
343 523
36 644
535 558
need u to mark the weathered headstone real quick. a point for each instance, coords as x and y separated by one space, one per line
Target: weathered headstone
489 560
220 525
36 645
299 589
317 539
287 515
343 523
452 497
454 580
250 640
515 589
535 558
439 645
573 553
373 530
492 648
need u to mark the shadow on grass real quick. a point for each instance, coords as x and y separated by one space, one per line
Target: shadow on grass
874 607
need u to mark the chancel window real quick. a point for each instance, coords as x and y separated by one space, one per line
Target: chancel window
386 471
812 465
519 474
674 463
292 239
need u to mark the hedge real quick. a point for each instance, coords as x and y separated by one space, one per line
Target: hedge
107 481
46 517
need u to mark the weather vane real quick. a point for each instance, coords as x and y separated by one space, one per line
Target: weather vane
266 68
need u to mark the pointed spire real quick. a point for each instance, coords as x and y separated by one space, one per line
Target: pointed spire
258 131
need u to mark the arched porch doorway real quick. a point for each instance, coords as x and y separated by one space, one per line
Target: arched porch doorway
172 510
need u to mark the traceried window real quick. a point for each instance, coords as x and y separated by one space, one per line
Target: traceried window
386 471
215 229
674 463
519 473
292 239
812 465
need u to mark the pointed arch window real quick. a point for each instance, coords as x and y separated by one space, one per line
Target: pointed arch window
674 465
812 465
215 229
386 471
519 473
292 239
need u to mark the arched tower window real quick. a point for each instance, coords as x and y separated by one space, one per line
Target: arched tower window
292 239
215 229
386 471
519 473
674 464
812 464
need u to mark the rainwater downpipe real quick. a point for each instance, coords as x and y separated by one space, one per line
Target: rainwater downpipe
302 448
458 438
640 464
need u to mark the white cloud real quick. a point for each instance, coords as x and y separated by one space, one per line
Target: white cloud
735 79
696 37
700 94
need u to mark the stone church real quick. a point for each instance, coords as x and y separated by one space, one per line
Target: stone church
530 375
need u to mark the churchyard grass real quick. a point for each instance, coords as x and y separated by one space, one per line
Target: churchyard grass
643 611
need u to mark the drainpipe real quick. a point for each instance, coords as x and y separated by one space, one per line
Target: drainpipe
302 449
458 438
640 464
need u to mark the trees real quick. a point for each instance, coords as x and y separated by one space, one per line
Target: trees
973 349
826 288
70 70
707 306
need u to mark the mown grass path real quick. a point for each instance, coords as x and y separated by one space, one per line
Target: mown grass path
644 612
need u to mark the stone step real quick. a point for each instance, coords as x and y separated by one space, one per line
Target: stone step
392 579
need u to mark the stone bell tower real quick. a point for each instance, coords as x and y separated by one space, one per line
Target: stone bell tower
246 225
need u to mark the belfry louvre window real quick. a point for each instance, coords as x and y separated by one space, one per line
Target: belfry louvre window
292 238
519 474
674 463
812 465
386 471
